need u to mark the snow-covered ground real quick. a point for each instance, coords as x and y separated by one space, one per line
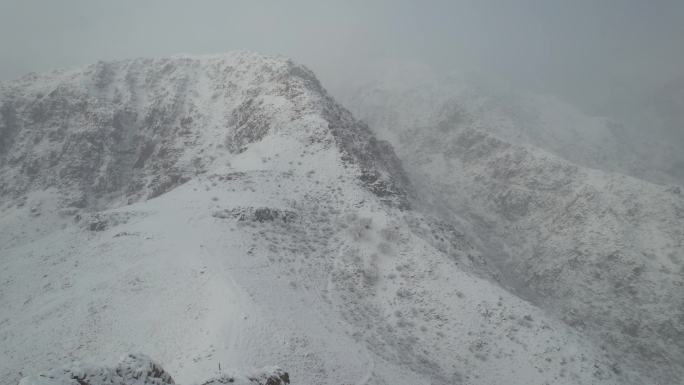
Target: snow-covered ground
225 210
340 292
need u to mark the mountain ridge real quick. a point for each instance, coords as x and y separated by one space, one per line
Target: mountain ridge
148 115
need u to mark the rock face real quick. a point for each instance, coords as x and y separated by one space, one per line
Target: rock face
138 369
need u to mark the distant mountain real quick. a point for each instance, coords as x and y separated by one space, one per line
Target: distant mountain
412 98
600 250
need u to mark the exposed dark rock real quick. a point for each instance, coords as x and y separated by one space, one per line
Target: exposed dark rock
260 214
138 369
105 220
268 376
132 369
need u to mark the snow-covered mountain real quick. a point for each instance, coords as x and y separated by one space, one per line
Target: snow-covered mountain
119 132
225 210
602 251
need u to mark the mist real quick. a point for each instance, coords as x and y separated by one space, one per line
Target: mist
595 55
442 192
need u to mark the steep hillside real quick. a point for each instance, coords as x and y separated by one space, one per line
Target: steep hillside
411 99
224 210
602 251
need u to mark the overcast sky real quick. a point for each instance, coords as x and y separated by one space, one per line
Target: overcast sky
584 50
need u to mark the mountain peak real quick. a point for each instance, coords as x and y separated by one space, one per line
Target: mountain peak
125 130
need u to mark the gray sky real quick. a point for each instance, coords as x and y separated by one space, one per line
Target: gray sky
591 52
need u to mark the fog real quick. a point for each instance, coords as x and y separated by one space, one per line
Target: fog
608 57
493 195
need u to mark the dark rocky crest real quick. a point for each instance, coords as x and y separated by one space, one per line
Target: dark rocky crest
139 369
134 129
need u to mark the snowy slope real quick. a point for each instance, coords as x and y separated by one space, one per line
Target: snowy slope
602 251
224 209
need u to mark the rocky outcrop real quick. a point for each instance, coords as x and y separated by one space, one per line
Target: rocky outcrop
131 369
266 376
139 369
257 214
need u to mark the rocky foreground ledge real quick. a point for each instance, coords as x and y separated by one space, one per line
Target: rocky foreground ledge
138 369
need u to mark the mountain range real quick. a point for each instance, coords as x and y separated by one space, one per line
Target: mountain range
225 210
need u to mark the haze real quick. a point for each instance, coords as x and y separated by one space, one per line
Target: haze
494 193
587 51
